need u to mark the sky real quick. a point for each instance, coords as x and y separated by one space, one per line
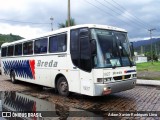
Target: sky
29 18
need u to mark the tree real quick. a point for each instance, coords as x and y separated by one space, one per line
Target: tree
9 38
63 25
148 55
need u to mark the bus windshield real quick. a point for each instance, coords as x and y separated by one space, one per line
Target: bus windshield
113 49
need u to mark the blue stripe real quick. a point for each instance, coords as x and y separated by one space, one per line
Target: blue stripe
129 71
21 68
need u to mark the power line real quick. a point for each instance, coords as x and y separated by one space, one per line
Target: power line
120 14
98 8
122 9
102 10
23 22
108 13
132 15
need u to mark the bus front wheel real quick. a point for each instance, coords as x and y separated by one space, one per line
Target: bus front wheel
62 86
13 77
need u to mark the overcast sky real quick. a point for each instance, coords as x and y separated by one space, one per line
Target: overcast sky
136 16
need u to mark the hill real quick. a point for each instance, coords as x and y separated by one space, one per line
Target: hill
144 46
145 42
9 38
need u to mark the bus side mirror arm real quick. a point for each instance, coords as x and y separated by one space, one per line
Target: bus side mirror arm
93 47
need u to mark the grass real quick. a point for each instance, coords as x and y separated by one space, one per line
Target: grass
148 71
148 66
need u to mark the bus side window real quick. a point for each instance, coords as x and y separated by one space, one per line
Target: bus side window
53 44
58 43
40 46
74 47
62 43
10 50
4 52
28 48
18 49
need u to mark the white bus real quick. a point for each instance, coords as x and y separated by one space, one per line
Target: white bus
87 59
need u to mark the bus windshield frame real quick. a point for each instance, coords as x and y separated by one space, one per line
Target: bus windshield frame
113 49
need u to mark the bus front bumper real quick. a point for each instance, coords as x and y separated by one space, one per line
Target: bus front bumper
113 87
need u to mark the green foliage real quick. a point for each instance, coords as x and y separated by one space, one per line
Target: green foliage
149 56
63 25
9 38
148 66
148 71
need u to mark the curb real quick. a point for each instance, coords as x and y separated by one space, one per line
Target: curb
148 82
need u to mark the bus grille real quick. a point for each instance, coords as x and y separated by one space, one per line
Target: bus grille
122 77
127 76
117 78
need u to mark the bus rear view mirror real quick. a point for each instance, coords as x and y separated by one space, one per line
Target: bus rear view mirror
132 48
93 47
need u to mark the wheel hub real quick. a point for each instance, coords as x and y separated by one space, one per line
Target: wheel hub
63 86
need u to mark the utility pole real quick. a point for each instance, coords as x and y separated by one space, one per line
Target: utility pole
51 23
150 30
155 49
142 50
69 13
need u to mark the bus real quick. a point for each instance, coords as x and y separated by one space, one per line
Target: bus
87 59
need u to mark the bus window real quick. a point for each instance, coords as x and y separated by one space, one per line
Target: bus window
75 47
85 54
28 48
58 43
10 50
18 49
80 49
40 46
4 52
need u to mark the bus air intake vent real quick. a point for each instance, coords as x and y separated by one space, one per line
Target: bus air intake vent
127 76
122 77
117 78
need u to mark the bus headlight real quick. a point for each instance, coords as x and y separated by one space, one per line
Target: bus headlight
107 80
134 75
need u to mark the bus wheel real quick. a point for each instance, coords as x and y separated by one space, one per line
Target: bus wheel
62 86
13 77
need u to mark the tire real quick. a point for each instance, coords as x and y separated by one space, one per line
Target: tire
12 76
62 86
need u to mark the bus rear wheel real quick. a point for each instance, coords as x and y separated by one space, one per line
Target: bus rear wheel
62 86
12 76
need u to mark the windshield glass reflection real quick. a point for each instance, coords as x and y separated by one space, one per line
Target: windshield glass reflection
113 49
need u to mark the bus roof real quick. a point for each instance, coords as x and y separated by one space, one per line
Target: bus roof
98 26
65 30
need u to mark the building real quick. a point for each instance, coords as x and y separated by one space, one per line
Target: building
140 58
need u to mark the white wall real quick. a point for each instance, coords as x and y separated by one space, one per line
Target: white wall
141 59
